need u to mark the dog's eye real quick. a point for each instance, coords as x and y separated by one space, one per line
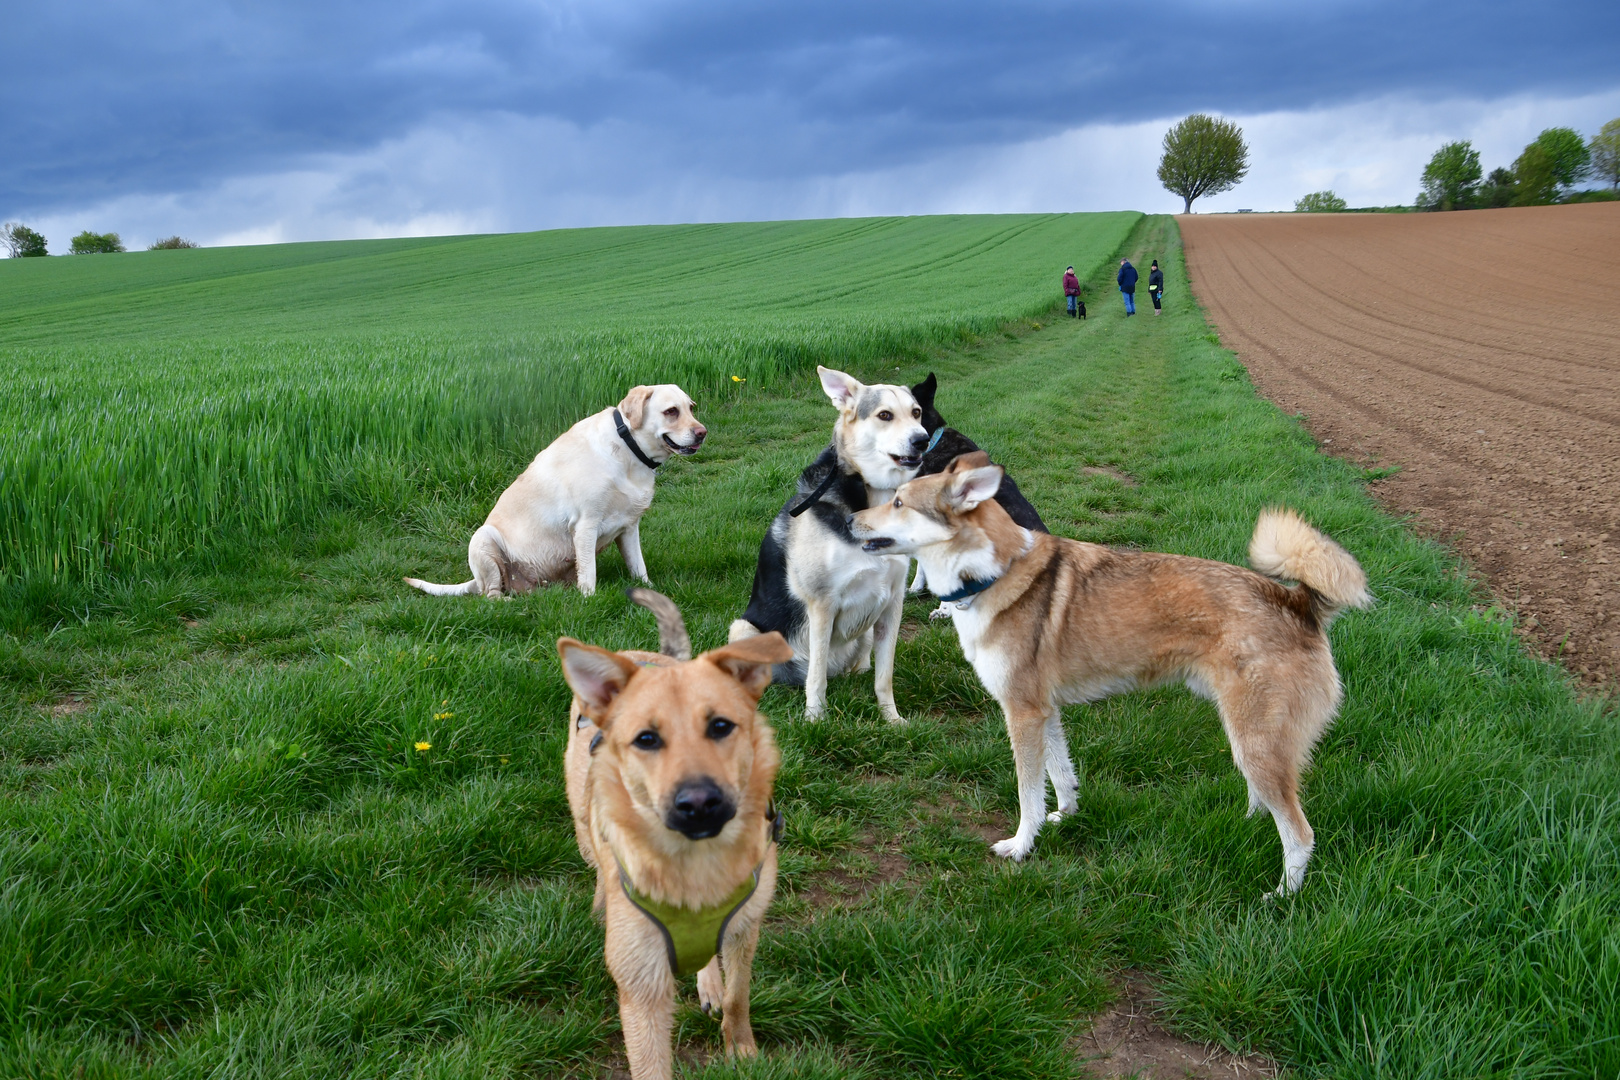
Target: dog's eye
720 727
648 740
916 414
885 415
672 412
897 502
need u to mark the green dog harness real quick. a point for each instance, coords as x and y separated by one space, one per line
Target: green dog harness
694 937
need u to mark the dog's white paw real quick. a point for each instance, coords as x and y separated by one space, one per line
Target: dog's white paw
892 715
813 712
711 989
1054 817
941 612
1014 848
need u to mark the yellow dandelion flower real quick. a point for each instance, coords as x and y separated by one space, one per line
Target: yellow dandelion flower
423 747
443 715
738 378
505 760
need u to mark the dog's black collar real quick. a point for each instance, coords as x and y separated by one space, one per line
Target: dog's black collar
815 496
630 441
970 587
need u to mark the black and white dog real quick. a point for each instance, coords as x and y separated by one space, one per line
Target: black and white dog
836 604
945 443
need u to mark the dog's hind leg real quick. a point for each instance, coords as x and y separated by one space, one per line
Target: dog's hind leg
486 554
1026 728
1060 767
1271 735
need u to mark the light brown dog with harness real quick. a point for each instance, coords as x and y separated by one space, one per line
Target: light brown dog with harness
670 769
1047 622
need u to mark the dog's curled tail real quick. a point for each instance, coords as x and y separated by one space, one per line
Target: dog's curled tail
673 639
466 588
1286 547
741 629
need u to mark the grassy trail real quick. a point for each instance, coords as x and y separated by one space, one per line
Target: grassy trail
233 862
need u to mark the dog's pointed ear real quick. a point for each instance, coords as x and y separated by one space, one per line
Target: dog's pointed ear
842 389
924 392
749 660
971 487
973 459
596 675
634 406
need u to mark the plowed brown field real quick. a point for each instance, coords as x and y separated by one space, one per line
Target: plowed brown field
1480 352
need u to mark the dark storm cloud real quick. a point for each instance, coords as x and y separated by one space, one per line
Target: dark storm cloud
105 98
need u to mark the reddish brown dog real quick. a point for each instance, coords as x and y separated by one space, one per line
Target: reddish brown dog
670 769
1046 622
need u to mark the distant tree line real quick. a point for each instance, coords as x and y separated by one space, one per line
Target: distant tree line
1547 171
21 242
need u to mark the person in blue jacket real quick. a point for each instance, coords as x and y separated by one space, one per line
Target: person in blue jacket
1127 285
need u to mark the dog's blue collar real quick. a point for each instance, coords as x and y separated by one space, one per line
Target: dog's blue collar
971 587
933 442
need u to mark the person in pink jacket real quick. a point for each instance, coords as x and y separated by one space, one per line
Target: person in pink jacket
1071 289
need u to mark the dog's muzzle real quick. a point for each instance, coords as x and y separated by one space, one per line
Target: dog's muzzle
689 449
700 810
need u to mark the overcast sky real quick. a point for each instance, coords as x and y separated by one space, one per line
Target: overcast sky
241 121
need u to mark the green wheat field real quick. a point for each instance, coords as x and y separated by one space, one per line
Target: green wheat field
221 854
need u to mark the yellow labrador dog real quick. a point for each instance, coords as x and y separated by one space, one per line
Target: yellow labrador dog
585 491
669 770
1047 622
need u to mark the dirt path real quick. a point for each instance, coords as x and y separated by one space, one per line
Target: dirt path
1480 352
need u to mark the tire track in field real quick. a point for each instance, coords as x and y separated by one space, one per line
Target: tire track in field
1479 351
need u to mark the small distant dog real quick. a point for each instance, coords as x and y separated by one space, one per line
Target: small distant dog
585 491
1047 621
836 604
945 445
669 772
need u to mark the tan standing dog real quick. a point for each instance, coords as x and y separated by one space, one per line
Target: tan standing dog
670 769
1046 621
587 490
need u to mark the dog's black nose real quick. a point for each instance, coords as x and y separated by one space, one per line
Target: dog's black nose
919 443
700 809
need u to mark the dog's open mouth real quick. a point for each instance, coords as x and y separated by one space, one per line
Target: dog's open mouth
877 543
907 462
684 451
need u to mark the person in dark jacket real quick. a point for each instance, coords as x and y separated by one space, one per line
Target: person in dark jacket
1071 289
1127 285
1156 285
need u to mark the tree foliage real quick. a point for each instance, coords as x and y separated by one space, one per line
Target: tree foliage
1498 190
1567 153
21 242
172 243
1320 202
1535 175
89 243
1450 177
1203 155
1605 153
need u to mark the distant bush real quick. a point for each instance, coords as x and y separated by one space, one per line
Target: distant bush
1498 190
89 243
1321 202
1450 177
1536 176
1600 195
172 243
21 242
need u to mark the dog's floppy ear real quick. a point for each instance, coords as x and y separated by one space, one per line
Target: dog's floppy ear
973 459
924 392
841 388
595 674
749 660
634 405
970 487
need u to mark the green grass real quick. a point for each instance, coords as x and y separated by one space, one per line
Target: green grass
171 403
233 863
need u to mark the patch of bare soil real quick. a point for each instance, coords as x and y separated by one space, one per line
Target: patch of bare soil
1478 351
837 888
1110 472
69 705
1127 1041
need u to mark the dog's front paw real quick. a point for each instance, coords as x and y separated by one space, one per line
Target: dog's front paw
711 989
1014 848
892 715
941 612
1054 817
813 712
